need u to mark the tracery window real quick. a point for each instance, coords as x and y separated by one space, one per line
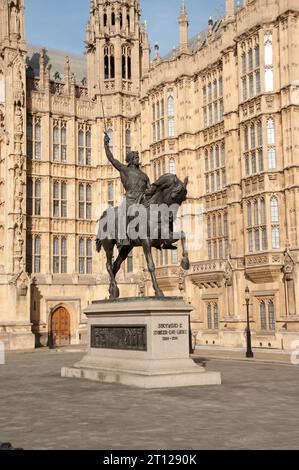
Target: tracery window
85 256
85 201
250 68
59 255
126 63
84 144
34 137
170 114
213 98
109 62
59 141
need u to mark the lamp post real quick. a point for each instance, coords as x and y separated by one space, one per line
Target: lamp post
249 352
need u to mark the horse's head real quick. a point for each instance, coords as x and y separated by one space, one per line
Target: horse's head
177 194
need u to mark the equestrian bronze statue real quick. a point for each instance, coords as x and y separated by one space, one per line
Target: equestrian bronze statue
145 219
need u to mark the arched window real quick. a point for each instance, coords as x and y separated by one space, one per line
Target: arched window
207 183
253 163
259 133
247 165
263 316
37 198
220 225
252 133
223 154
37 139
126 63
63 199
37 254
112 64
243 63
113 19
105 19
172 166
270 132
81 256
209 316
261 159
246 139
129 61
109 63
206 160
81 201
211 158
271 312
256 213
170 115
89 256
56 255
217 156
56 143
249 215
106 64
215 90
63 255
274 210
263 212
272 158
216 317
250 59
81 146
214 226
275 238
257 240
56 200
209 226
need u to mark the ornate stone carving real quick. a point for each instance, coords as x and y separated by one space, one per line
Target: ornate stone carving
228 274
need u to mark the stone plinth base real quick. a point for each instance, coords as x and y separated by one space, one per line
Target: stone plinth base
142 343
16 336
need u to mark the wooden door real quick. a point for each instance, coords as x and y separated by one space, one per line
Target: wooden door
61 328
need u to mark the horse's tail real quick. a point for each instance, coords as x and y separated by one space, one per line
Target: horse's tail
98 245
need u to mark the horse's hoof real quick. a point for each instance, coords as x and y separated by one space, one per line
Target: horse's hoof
159 293
185 264
114 293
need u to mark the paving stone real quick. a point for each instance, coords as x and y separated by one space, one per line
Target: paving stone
255 408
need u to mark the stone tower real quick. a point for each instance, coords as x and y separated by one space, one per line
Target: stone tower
115 43
113 47
14 283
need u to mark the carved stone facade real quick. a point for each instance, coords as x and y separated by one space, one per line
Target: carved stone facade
222 108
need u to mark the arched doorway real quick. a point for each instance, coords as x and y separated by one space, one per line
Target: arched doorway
61 327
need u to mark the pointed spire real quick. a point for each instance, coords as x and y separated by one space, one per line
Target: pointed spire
230 9
184 25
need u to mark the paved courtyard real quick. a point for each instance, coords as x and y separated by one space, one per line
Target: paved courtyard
255 408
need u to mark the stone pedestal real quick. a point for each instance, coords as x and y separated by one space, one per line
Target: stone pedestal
141 342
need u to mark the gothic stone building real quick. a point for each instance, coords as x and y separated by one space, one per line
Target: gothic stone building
222 108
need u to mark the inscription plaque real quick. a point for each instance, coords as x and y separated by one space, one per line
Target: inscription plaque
132 338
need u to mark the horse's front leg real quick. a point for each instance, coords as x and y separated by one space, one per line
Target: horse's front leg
113 288
185 263
147 249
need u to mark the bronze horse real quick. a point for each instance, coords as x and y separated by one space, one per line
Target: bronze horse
167 190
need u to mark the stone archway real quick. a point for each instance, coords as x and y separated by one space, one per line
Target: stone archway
61 327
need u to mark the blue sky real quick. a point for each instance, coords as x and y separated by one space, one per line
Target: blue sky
60 24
